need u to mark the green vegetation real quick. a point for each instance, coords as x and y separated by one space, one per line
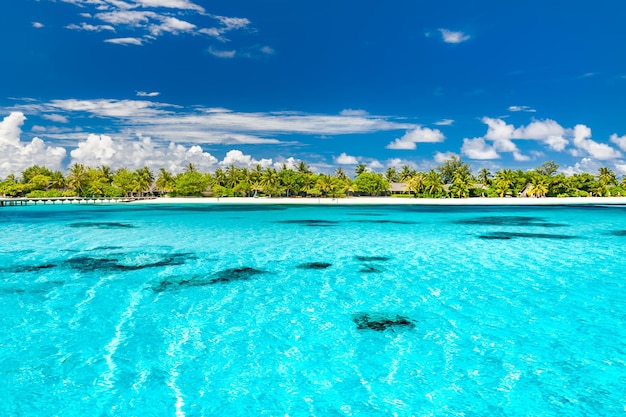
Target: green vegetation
453 179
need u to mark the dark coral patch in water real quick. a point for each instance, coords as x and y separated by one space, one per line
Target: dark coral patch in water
618 232
368 269
510 235
101 225
372 258
28 268
385 221
316 223
381 321
508 221
234 274
88 264
314 265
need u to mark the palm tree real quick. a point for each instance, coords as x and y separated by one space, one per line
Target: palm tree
219 177
232 176
190 168
461 184
360 169
405 173
391 175
107 173
143 179
505 179
57 180
324 184
607 177
77 177
302 168
416 183
538 189
341 174
270 181
165 181
433 183
484 176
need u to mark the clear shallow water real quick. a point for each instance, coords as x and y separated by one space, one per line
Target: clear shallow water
248 310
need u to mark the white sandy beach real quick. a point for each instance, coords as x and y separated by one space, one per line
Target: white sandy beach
395 201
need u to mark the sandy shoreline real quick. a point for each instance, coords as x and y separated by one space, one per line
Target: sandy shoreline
577 201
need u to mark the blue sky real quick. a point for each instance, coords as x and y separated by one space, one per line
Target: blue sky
335 83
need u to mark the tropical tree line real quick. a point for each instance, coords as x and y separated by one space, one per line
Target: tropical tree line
452 179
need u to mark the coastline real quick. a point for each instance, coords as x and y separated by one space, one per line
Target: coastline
376 201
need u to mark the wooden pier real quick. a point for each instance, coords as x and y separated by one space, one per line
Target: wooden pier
22 201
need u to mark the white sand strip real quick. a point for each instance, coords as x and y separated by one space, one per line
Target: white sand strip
549 201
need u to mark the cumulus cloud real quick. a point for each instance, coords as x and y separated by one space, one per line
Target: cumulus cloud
99 150
619 141
16 155
125 41
441 157
345 159
546 131
601 151
417 135
445 122
239 159
450 36
477 148
37 25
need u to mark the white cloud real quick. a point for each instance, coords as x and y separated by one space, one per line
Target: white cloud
172 4
522 108
164 122
99 150
55 118
267 50
445 122
621 168
449 36
547 131
171 25
601 151
232 23
146 94
15 155
125 41
222 53
352 112
417 135
105 107
90 28
37 25
441 157
477 148
239 159
131 18
585 165
374 164
345 159
619 141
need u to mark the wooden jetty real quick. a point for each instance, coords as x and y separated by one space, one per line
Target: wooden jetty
23 201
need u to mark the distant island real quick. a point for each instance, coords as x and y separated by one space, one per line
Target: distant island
452 179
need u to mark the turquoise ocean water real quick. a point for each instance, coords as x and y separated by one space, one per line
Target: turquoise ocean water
127 310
